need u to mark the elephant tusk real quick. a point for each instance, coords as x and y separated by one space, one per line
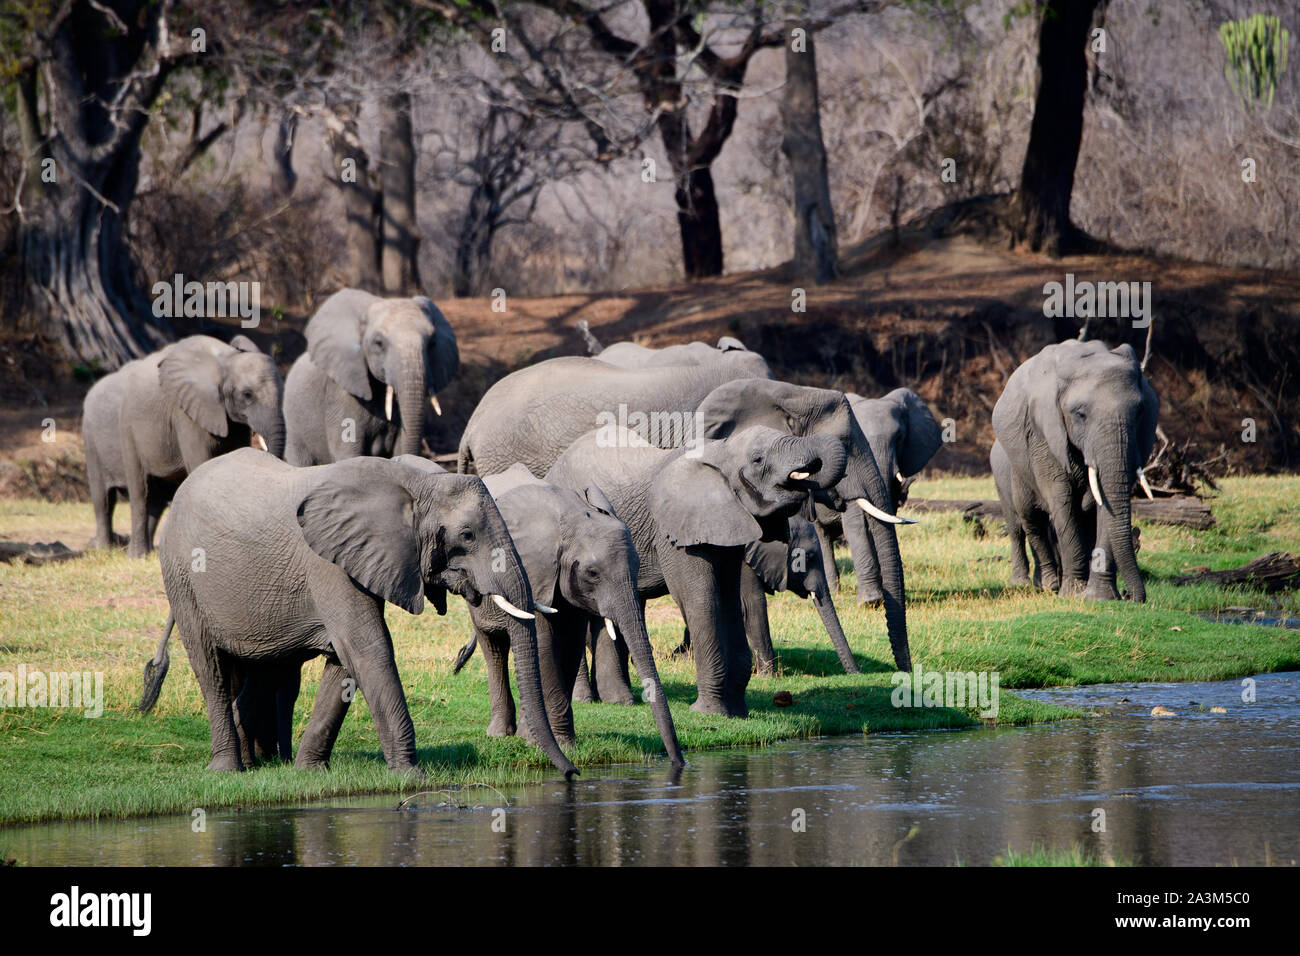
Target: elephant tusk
388 403
1142 479
798 476
510 609
433 400
899 476
1096 489
879 515
545 609
609 626
261 443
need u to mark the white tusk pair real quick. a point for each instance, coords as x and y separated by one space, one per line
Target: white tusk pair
1142 479
1096 489
261 443
545 609
433 400
388 403
510 609
798 476
609 626
879 515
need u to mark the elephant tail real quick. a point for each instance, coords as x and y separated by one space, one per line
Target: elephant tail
465 457
464 654
156 670
593 344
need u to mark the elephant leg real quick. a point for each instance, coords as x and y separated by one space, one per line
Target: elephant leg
584 692
137 485
706 586
288 687
1046 572
863 550
826 541
160 496
333 698
217 674
102 500
1070 541
495 649
753 602
555 693
571 645
1019 561
361 640
609 666
684 648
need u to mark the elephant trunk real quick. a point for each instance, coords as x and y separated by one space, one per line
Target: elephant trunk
271 428
821 596
862 479
1114 519
410 394
523 644
630 621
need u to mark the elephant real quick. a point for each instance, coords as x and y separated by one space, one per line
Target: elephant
691 513
1074 425
903 436
580 559
535 413
361 386
158 418
265 582
729 353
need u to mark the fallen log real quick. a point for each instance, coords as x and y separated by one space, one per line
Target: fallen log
39 553
1180 509
1278 571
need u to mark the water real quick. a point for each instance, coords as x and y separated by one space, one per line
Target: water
1198 788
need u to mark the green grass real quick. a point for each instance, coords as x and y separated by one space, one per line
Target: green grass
1039 855
104 613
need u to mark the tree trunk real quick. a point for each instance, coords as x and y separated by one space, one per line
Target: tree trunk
362 203
474 243
697 219
400 230
1042 211
815 247
75 260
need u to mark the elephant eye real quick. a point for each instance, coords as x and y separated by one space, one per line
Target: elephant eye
756 459
377 344
246 394
467 536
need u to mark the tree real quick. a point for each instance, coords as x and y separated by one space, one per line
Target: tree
815 246
1041 210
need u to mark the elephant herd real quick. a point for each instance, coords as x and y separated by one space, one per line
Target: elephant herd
584 488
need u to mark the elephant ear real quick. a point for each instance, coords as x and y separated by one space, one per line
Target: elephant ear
362 518
770 561
1044 388
692 504
923 435
444 363
731 344
795 409
1149 411
598 500
334 340
243 343
190 377
530 516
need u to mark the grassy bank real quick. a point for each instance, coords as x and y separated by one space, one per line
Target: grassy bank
104 612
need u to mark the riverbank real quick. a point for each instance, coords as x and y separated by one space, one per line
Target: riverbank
103 613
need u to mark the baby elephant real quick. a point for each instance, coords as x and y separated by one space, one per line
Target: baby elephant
154 420
264 582
582 563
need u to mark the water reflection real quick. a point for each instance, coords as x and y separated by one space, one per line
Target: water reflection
1199 788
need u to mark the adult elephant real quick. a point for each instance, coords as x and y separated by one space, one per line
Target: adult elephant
370 367
154 420
303 568
903 436
691 513
1074 425
728 353
534 414
581 564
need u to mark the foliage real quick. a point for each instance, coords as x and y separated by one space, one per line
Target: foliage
1256 48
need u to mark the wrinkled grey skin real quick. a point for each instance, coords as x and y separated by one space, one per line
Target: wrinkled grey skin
303 568
691 514
154 420
1071 406
534 414
358 346
1039 535
729 353
580 560
800 410
903 436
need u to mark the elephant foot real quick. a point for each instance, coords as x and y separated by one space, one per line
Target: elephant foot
501 727
765 668
1073 587
582 694
561 738
410 770
1051 583
1020 580
621 696
1100 591
308 762
871 596
715 705
226 763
